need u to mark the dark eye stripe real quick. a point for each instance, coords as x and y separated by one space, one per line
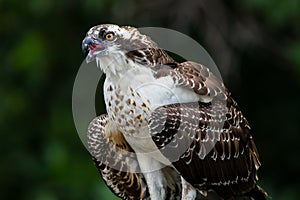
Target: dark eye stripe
102 32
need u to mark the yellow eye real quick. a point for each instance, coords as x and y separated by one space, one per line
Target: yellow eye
109 36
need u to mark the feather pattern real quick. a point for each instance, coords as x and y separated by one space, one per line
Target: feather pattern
118 165
196 124
115 161
193 76
208 143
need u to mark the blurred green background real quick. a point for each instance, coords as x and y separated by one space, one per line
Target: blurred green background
255 44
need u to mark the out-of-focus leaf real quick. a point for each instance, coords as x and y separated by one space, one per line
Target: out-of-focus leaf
16 102
293 53
276 12
30 53
40 8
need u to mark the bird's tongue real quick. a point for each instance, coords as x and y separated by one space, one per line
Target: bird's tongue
95 49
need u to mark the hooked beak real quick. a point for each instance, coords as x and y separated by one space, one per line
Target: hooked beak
92 48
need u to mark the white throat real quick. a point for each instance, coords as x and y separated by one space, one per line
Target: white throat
114 64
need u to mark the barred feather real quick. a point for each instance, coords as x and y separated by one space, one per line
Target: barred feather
203 132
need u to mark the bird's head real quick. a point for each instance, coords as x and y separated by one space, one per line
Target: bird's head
109 39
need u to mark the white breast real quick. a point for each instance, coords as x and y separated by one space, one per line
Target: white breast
130 99
159 92
139 93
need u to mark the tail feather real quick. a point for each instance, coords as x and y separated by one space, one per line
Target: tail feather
258 193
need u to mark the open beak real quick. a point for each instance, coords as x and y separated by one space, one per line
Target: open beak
92 48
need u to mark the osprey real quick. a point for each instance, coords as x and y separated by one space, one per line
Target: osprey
172 130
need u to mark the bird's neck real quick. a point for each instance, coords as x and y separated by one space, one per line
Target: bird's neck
115 65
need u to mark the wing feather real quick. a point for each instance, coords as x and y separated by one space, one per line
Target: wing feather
230 162
194 76
209 143
115 161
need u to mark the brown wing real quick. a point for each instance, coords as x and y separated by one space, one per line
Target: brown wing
115 161
207 155
193 76
149 56
208 143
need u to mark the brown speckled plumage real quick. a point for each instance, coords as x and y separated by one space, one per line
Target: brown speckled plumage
202 133
115 170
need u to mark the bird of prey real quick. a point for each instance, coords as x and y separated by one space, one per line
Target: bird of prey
172 130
